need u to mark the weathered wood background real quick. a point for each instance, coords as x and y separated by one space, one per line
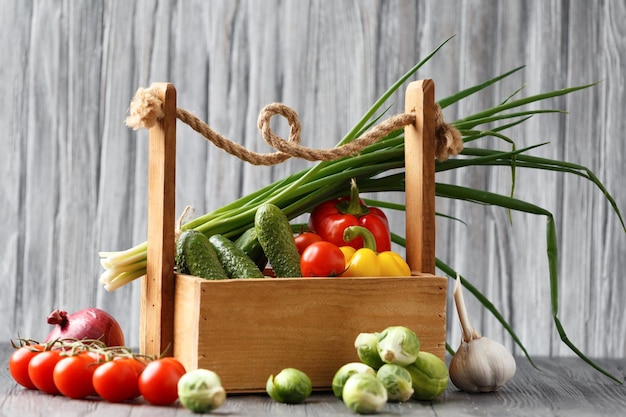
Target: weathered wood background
74 177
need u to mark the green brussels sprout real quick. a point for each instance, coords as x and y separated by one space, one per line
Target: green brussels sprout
363 393
343 373
397 381
366 345
429 375
399 345
290 386
201 391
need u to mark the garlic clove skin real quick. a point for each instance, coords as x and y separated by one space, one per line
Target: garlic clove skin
481 365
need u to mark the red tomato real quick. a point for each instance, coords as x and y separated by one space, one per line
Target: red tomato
73 375
41 369
158 383
18 364
305 239
322 259
116 381
139 366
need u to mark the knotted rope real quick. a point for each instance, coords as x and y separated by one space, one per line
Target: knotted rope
146 109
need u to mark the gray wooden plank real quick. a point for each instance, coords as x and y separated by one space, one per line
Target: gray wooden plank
12 171
74 177
562 386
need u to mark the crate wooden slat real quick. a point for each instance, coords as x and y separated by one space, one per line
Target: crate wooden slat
419 151
246 330
157 287
254 328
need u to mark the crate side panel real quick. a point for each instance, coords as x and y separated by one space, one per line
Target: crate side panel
186 317
250 329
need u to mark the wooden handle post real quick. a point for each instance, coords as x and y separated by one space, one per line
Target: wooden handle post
157 288
419 146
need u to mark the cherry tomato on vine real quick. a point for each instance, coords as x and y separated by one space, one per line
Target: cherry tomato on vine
18 364
116 381
41 369
158 383
303 240
138 365
73 375
322 259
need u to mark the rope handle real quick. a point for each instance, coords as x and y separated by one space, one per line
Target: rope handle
146 109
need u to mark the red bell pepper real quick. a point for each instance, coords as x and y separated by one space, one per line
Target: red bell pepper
331 218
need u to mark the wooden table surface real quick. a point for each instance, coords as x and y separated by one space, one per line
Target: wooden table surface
564 386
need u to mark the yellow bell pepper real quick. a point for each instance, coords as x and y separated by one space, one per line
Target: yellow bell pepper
365 262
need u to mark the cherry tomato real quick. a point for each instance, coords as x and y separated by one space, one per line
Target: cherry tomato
305 239
158 382
116 380
18 364
73 375
322 259
139 366
41 369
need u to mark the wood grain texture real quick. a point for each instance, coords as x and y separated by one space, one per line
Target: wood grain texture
562 386
419 157
249 329
158 285
74 178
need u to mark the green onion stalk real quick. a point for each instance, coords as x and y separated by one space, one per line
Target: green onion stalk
379 168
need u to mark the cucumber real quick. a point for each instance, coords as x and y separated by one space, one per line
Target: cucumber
195 256
235 262
249 244
276 238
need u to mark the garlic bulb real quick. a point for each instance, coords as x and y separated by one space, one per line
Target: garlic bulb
480 364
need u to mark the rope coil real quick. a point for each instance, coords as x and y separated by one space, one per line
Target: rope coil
146 109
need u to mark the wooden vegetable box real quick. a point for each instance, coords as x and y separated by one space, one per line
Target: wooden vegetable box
247 329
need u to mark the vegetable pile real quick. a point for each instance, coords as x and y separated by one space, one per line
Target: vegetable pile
392 368
378 168
343 239
80 367
87 368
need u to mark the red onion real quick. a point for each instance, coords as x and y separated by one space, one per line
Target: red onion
89 323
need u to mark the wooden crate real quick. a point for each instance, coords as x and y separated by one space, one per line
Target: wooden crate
246 330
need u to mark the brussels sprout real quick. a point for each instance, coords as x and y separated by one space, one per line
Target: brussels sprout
399 345
290 386
342 375
429 375
363 393
366 345
201 391
397 381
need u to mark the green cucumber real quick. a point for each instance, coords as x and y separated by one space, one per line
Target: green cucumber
235 262
195 256
249 244
276 238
